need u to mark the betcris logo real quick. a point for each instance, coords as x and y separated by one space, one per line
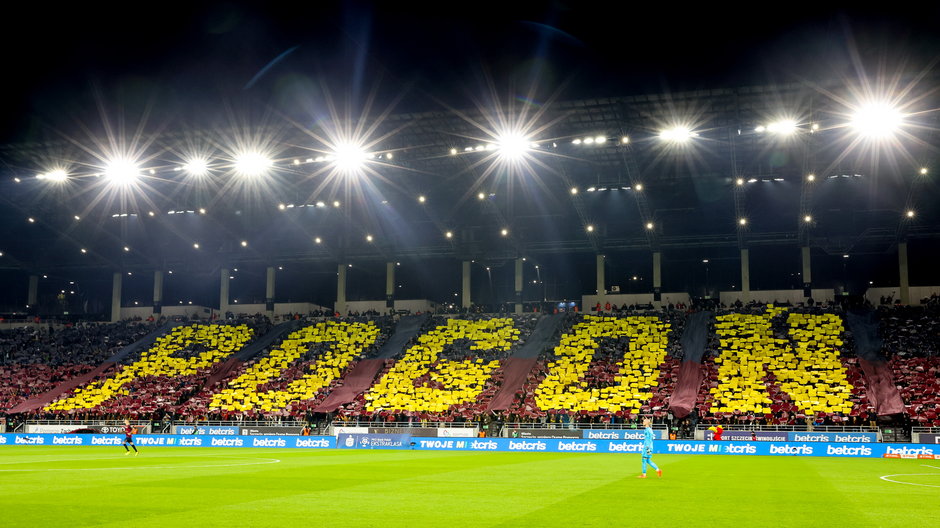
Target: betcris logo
845 450
787 449
908 450
105 440
25 440
220 430
811 437
577 446
484 445
313 442
66 440
741 449
624 447
858 438
3 439
191 442
593 434
268 442
527 445
227 442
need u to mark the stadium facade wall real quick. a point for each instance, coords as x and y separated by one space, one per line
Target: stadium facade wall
589 301
769 296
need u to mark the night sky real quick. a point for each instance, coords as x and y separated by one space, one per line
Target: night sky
195 62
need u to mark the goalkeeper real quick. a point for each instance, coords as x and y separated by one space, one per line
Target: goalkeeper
648 449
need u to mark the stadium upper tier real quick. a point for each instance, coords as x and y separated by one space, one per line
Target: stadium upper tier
769 364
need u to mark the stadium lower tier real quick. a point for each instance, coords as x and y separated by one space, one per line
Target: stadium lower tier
774 366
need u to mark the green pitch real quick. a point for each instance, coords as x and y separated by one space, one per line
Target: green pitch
187 488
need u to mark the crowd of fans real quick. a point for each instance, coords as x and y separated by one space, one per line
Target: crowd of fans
799 367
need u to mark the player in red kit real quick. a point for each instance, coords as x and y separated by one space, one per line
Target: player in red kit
129 438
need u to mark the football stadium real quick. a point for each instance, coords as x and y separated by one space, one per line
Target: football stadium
350 265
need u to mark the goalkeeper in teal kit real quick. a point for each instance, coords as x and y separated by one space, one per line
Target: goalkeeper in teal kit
648 448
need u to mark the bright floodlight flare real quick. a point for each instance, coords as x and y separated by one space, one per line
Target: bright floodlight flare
877 120
252 164
923 171
122 171
811 177
504 232
910 214
349 157
807 218
57 175
649 225
197 167
574 190
590 228
784 127
742 221
244 243
739 181
679 134
449 234
481 196
513 146
368 238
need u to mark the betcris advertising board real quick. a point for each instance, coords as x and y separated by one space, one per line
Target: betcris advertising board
620 434
804 436
304 442
207 430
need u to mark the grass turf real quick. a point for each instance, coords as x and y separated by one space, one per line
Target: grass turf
99 486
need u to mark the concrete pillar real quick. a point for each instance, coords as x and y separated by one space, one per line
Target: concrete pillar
745 276
390 284
32 298
807 272
519 285
341 289
657 279
116 296
903 273
807 267
465 284
269 292
224 292
157 293
601 281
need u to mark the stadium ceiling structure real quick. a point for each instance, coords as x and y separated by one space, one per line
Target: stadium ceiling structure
827 166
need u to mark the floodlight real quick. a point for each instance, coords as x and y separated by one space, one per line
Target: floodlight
784 127
807 218
742 221
449 234
910 213
923 171
624 140
574 190
504 232
57 175
739 181
811 177
481 196
679 134
197 167
638 187
576 141
513 146
649 225
349 157
453 151
318 240
876 120
368 238
590 228
121 171
335 203
422 199
244 243
196 245
252 164
600 139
